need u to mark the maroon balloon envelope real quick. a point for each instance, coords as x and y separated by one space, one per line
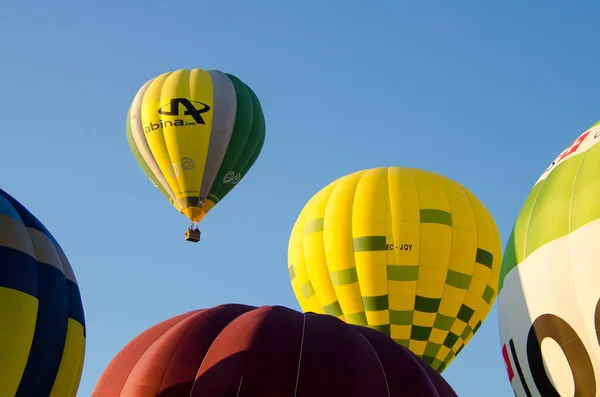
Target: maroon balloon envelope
244 351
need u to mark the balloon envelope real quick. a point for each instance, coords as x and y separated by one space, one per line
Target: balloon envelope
195 134
548 305
239 350
42 327
405 251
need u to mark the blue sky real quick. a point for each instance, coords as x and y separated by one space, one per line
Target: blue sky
487 95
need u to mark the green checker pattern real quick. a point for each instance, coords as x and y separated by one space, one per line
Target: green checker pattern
435 354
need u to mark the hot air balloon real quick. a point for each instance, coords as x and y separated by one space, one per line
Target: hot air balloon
548 303
239 350
42 327
405 251
195 134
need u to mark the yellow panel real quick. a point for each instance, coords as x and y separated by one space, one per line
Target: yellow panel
481 273
338 241
431 282
474 293
487 238
314 305
417 347
452 299
402 302
18 312
154 132
458 327
464 229
438 336
295 255
423 319
497 250
402 288
436 238
494 277
496 266
350 298
381 317
297 291
372 273
296 259
461 207
368 220
436 243
431 192
190 139
71 361
464 245
464 250
493 282
404 214
80 372
400 331
443 353
481 310
314 249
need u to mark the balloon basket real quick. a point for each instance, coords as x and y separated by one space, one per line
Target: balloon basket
192 235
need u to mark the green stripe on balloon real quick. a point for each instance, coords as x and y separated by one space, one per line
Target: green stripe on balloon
241 130
436 216
253 147
246 144
565 196
314 226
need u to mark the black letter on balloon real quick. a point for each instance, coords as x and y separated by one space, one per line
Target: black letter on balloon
513 351
557 329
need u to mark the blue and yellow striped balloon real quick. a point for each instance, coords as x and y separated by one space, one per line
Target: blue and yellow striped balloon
42 327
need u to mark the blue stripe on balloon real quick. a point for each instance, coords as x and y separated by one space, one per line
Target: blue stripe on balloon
75 304
26 217
6 207
50 334
18 271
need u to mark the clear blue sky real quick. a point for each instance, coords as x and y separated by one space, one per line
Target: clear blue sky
484 94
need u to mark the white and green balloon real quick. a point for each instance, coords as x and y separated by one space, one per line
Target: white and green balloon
548 302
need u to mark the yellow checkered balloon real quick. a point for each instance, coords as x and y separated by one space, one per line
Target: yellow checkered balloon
405 251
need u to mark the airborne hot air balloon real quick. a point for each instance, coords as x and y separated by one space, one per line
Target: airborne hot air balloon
405 251
548 303
270 351
195 133
42 327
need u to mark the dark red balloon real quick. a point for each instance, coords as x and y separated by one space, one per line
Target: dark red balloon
271 351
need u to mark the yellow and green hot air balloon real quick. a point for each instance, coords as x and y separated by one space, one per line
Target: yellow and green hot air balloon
402 250
195 133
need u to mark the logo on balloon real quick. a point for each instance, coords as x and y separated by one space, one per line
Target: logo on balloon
567 338
574 148
195 109
190 109
232 177
548 301
187 163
